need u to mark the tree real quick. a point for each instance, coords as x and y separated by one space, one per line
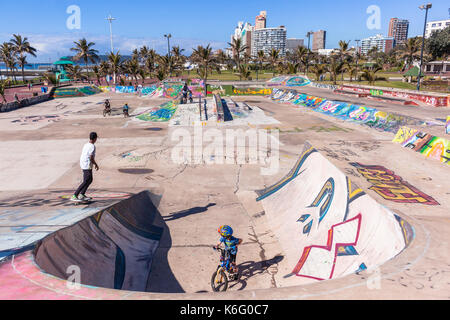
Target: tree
260 59
410 50
274 58
3 85
178 58
318 70
344 53
104 70
370 75
238 49
244 72
75 72
115 62
85 52
336 66
302 55
438 45
150 61
132 67
22 47
205 60
8 56
98 74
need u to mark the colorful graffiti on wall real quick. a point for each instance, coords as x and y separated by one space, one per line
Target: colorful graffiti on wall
433 100
75 92
252 91
430 146
392 187
326 225
345 111
289 81
172 89
162 113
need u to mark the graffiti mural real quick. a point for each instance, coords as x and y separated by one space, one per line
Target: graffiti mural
252 91
162 113
349 112
297 82
392 187
430 146
327 226
172 89
76 92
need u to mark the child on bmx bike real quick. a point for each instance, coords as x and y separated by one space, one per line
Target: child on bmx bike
231 243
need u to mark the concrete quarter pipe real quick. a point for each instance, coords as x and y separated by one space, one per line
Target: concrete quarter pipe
327 226
112 249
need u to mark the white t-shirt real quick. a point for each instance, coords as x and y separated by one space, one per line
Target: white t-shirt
85 159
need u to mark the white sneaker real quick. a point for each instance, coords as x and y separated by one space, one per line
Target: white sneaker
82 197
86 198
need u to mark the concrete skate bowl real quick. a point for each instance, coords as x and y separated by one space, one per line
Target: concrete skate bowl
75 92
327 226
113 249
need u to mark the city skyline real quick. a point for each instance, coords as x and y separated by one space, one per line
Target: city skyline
197 23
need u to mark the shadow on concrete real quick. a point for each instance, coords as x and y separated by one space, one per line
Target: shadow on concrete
249 269
188 212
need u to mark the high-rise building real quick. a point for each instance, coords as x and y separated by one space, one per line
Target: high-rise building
243 31
267 39
435 26
319 40
292 44
384 44
398 29
260 22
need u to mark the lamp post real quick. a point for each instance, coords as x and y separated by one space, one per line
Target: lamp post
307 58
168 36
425 7
111 19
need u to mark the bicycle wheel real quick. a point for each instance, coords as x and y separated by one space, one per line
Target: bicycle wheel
219 281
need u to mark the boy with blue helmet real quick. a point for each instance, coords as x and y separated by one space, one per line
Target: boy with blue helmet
231 243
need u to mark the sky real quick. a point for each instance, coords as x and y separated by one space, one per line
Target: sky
198 22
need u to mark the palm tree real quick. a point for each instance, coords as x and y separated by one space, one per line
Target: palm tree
274 58
343 54
22 47
244 72
178 57
75 72
7 55
410 50
370 74
335 68
166 64
238 49
3 85
132 67
352 70
318 70
98 73
205 60
115 62
104 70
150 61
301 55
260 59
85 52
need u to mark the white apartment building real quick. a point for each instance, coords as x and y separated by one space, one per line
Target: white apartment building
267 39
384 44
435 26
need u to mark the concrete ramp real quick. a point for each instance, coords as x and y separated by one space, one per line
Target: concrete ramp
112 249
327 226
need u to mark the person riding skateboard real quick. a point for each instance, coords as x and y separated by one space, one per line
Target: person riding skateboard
87 162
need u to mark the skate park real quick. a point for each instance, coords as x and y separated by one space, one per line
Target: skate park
388 203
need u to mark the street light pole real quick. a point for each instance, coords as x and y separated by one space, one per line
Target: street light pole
111 19
168 36
425 7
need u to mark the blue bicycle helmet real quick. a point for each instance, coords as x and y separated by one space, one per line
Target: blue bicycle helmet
225 231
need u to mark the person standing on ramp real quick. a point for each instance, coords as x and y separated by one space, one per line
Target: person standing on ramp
87 162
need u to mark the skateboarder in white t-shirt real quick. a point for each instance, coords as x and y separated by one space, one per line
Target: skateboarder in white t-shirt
87 162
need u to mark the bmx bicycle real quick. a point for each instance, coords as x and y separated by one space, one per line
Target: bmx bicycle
224 272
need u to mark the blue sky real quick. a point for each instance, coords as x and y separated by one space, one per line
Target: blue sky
197 22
